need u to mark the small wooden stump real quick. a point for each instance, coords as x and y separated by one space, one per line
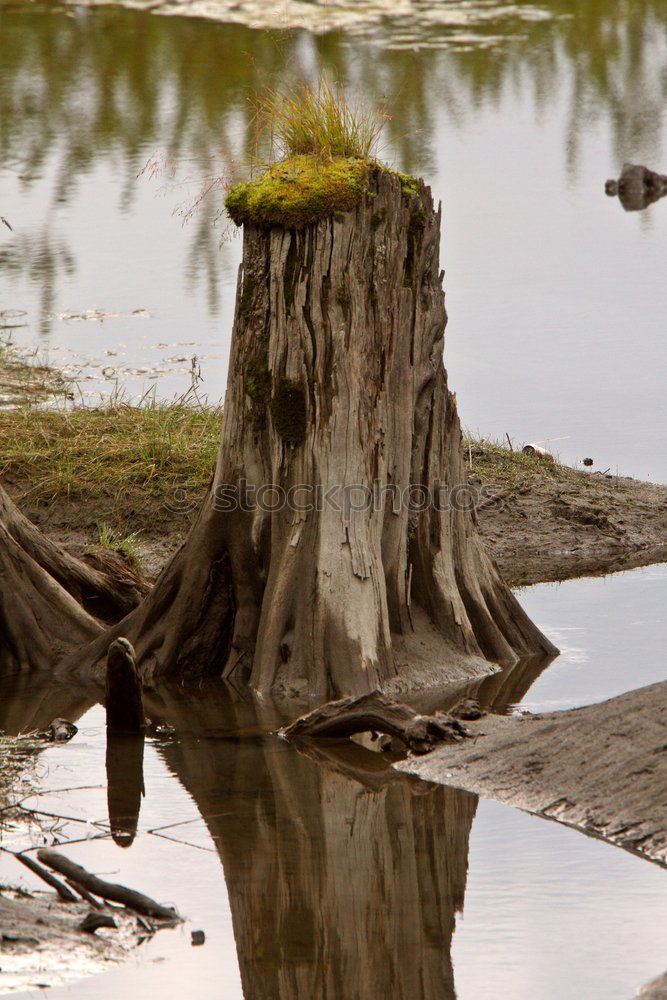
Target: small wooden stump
124 702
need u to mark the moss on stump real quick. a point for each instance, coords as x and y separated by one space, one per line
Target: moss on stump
305 189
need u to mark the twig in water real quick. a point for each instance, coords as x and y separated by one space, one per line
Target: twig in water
65 894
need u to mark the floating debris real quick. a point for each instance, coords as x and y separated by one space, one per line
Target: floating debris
97 315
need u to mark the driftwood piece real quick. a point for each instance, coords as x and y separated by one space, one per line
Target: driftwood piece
107 890
107 593
87 896
377 713
65 894
124 702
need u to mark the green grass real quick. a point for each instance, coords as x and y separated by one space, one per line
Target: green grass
319 122
326 150
121 459
128 545
493 462
23 377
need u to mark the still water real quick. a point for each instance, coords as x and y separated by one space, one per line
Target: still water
326 874
310 874
515 113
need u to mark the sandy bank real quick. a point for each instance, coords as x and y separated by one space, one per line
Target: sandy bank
41 944
601 768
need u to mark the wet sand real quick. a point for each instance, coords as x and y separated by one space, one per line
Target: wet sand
601 768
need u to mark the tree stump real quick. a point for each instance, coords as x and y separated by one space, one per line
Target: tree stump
336 552
106 595
123 696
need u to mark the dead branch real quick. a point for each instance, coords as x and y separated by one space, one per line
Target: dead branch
107 890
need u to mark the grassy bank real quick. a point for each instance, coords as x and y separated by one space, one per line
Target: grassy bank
130 463
493 462
139 460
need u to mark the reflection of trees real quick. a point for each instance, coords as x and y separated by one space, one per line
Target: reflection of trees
343 878
116 85
44 258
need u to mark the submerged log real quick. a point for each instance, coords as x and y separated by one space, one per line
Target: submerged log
374 712
637 187
336 552
106 890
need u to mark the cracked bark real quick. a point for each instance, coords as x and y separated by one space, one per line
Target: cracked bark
336 383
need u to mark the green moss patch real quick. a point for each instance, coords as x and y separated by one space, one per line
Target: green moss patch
299 191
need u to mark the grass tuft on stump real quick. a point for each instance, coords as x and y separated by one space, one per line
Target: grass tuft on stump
326 150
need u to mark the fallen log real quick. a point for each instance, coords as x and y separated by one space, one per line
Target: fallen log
376 713
106 890
65 894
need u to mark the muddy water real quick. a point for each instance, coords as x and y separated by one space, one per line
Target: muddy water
516 113
329 875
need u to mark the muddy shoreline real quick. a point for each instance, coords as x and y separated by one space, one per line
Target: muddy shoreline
41 944
546 529
545 525
601 769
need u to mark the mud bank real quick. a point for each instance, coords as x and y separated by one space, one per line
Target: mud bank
562 523
41 944
547 524
601 768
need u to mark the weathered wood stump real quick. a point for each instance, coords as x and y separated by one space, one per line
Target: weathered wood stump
48 597
336 552
124 702
637 187
39 620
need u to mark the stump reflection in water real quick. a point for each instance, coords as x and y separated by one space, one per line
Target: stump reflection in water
342 875
125 784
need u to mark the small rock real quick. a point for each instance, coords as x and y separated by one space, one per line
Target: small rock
468 709
60 731
95 920
198 937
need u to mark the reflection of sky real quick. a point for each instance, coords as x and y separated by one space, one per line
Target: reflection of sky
556 297
612 633
553 915
549 914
